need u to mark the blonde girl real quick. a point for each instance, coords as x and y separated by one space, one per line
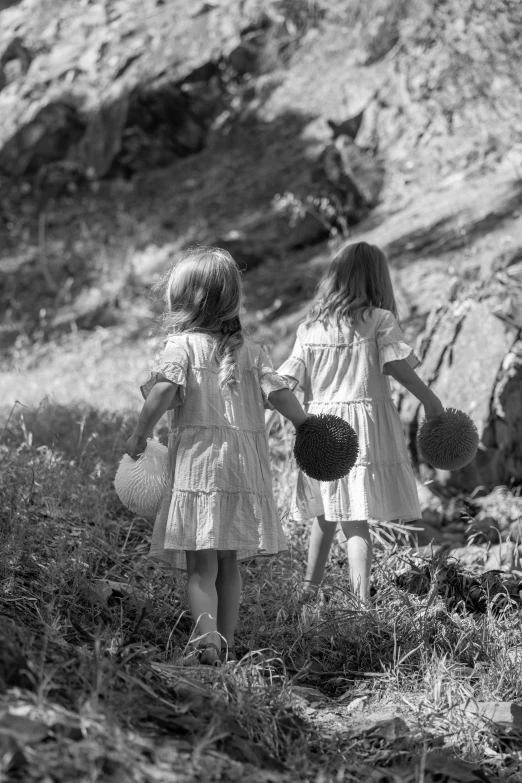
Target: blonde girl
344 352
214 382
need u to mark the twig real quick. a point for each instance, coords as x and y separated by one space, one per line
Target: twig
349 672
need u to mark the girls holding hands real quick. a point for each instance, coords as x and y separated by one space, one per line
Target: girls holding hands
214 382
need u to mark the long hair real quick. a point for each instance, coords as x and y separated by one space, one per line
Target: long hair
357 281
203 292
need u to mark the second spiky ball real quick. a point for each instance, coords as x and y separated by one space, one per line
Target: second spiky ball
448 441
326 447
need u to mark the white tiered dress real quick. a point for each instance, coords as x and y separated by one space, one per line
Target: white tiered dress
340 370
220 494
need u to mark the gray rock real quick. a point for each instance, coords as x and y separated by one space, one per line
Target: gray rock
426 533
472 358
72 99
500 557
353 176
515 532
349 127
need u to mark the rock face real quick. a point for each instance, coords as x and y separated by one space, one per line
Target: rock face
471 356
95 83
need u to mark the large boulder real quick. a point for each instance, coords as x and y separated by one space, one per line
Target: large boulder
471 355
90 82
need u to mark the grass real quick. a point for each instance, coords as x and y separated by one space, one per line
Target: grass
102 633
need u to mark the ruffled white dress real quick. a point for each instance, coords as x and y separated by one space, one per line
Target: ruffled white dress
220 492
340 370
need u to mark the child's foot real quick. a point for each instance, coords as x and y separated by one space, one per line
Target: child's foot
361 604
228 655
308 590
209 654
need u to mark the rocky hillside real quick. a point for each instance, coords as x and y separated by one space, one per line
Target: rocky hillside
276 128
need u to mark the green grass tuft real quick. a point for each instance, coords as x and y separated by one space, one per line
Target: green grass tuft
103 633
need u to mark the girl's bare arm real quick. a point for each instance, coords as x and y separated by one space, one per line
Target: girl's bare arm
288 406
160 399
407 377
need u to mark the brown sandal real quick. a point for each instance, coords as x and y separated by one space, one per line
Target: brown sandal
308 590
228 655
209 654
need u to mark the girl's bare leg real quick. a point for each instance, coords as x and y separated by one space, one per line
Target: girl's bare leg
359 551
228 584
202 569
321 538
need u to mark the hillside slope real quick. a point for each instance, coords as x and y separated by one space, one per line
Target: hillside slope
275 129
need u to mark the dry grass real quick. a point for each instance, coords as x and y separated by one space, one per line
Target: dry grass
104 632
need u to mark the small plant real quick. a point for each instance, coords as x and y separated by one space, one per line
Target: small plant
326 209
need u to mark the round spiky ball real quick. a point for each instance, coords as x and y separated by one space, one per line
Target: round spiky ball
448 441
140 483
326 447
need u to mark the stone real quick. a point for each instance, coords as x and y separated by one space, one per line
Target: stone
349 127
472 359
487 526
47 136
73 99
498 558
427 533
244 59
17 55
515 532
469 556
8 3
102 140
352 175
497 711
431 505
501 557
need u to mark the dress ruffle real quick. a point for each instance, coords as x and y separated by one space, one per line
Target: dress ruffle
364 494
172 371
271 381
293 371
215 520
396 351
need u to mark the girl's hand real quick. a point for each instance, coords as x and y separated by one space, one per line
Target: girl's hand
160 399
135 446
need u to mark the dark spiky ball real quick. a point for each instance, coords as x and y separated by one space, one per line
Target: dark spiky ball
326 447
448 441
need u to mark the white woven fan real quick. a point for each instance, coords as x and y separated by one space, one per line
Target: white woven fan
140 483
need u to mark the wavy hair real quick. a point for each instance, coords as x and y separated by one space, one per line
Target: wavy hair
203 292
357 281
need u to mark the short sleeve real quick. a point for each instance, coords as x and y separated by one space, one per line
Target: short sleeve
391 344
173 365
294 368
269 379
